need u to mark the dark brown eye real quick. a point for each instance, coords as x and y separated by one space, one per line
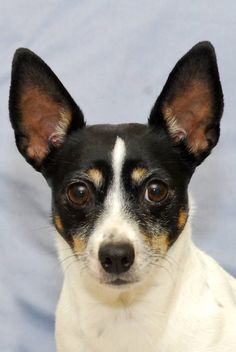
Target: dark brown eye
78 193
156 192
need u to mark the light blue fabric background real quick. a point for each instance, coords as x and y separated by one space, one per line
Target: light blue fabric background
114 57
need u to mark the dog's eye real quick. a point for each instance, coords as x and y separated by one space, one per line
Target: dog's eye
156 192
78 193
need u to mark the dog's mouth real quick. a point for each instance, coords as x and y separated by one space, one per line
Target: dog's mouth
119 282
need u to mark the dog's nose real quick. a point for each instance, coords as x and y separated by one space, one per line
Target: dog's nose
116 258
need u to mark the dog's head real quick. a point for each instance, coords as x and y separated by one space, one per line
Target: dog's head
119 192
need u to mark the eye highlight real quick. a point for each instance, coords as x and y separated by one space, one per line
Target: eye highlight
156 191
79 193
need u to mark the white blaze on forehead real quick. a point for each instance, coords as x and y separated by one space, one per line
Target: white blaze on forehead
118 156
114 220
114 199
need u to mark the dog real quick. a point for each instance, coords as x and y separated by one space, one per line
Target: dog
133 279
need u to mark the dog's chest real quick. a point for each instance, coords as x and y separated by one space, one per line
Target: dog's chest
126 330
96 327
146 326
138 329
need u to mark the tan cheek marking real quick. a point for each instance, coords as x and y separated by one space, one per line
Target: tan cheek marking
138 174
58 223
79 244
182 218
159 243
95 175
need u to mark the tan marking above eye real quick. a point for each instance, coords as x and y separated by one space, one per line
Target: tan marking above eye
138 174
58 223
96 176
158 243
182 218
79 244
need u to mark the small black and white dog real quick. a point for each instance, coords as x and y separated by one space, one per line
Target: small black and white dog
133 279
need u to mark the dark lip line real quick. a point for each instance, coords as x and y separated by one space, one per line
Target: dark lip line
119 282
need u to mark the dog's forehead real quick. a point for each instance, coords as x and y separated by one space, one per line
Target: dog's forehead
96 143
94 147
99 140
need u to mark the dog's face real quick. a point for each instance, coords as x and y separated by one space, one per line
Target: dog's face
117 202
119 192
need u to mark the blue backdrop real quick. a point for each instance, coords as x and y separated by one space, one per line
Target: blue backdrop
114 57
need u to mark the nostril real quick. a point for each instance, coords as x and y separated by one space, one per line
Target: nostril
125 262
116 258
107 262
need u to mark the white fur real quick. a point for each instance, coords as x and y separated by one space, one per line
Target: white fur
185 304
189 305
116 221
114 200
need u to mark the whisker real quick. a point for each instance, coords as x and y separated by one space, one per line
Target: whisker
66 258
69 265
45 227
163 267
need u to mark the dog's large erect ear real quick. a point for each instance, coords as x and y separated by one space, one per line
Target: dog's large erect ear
191 103
42 112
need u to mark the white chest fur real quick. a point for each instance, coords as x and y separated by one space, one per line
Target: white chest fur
189 305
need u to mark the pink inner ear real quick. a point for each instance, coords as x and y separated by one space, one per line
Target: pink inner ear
44 122
189 113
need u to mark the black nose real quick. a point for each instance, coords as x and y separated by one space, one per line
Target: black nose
116 258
